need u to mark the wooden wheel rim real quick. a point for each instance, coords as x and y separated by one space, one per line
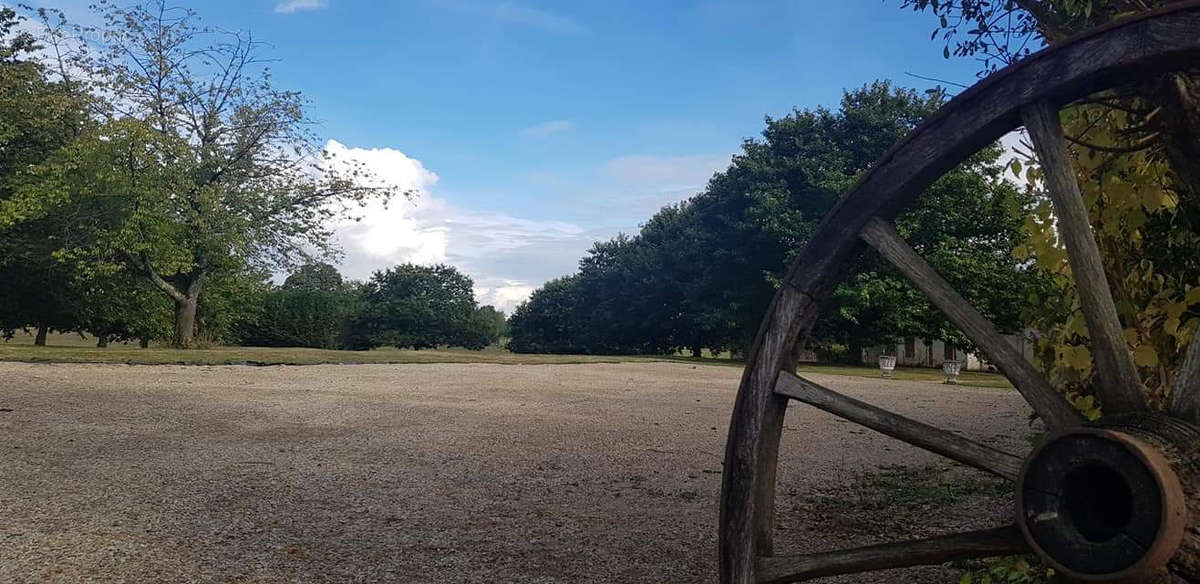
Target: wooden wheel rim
1134 49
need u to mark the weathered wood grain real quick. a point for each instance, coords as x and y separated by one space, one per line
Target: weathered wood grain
925 552
749 455
1047 402
918 434
1185 395
1117 383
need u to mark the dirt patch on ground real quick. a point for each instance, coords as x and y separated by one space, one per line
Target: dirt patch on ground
446 473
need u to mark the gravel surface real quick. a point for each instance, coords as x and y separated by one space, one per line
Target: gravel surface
435 473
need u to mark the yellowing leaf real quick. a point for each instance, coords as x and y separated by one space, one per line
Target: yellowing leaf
1145 356
1193 295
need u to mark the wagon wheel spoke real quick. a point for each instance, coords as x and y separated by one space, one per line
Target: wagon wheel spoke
923 552
1047 402
918 434
1117 382
1185 398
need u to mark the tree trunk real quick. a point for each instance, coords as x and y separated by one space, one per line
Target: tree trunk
101 341
144 343
40 339
1178 94
185 322
696 351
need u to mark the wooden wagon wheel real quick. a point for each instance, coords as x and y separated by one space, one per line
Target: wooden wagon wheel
1117 501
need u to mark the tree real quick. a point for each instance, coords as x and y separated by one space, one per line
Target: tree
492 322
546 323
38 116
418 307
315 276
967 225
202 165
756 214
313 308
701 274
115 305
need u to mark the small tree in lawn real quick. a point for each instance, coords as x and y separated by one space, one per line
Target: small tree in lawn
199 163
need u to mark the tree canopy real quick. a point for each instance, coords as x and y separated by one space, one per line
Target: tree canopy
701 274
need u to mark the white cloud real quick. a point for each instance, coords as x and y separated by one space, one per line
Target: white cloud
505 295
294 6
546 129
508 257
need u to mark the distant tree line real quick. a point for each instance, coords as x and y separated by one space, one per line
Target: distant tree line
408 307
700 274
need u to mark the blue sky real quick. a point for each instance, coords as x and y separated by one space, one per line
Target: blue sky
534 128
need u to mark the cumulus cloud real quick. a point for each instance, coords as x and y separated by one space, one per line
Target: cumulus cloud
546 129
506 256
294 6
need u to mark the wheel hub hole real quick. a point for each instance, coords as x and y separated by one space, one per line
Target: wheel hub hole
1098 502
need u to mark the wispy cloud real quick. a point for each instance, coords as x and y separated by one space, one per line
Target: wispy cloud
294 6
666 173
537 18
546 129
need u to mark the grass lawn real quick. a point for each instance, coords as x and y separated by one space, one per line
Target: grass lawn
75 349
70 348
972 378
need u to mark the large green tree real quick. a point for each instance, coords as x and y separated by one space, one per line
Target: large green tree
38 116
701 274
548 321
198 164
419 307
967 226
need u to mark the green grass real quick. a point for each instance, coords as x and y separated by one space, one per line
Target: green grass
72 348
971 378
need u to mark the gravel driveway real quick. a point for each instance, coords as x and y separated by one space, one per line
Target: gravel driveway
427 473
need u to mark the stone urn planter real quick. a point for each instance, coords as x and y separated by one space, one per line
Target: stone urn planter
952 369
887 364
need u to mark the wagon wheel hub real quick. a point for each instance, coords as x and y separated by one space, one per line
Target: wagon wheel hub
1101 506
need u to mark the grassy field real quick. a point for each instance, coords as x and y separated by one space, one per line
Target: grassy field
972 378
71 348
74 349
